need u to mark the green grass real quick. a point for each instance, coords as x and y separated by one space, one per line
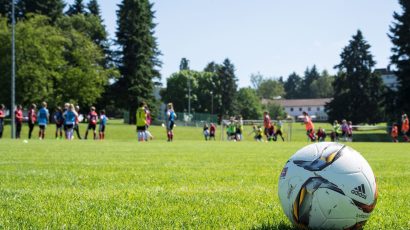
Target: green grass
190 183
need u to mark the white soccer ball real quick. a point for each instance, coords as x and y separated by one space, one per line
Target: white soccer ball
327 186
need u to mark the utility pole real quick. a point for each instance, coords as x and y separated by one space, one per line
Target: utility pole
189 97
13 71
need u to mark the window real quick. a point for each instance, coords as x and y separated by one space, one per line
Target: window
300 109
291 109
318 108
309 109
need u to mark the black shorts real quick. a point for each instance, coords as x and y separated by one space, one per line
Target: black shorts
141 128
102 128
59 126
212 134
91 126
171 125
42 127
278 132
69 126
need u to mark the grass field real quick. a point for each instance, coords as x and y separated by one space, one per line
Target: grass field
190 183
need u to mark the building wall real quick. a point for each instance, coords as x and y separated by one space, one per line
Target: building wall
318 111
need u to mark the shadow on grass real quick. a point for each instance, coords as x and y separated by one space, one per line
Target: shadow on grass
269 226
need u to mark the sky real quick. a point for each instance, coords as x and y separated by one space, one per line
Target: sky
270 37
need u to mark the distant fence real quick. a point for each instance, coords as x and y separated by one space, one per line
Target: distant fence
184 119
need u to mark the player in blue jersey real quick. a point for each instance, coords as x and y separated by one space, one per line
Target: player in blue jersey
70 117
103 122
42 118
170 120
59 120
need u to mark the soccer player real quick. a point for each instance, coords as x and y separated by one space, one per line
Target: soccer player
101 127
350 131
18 120
32 119
2 116
59 121
212 131
42 116
257 131
149 119
310 129
239 128
405 127
266 123
345 130
70 117
92 122
77 121
271 133
206 132
231 130
395 132
66 105
321 134
334 136
171 117
279 125
141 121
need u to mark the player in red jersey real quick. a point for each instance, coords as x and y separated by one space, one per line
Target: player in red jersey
32 119
266 124
212 131
2 116
19 120
92 122
310 128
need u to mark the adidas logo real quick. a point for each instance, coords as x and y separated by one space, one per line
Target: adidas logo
359 191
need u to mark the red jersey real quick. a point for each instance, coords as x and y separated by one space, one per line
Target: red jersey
2 115
405 125
19 116
266 121
92 118
32 116
212 129
394 132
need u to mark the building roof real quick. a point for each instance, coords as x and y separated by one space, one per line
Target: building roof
299 102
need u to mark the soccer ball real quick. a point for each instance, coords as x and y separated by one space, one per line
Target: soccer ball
327 185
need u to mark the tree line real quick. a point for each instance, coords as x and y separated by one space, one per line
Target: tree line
64 55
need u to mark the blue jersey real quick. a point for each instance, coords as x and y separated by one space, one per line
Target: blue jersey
69 117
103 120
58 117
171 115
42 116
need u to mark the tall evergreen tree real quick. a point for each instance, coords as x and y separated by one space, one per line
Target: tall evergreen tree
184 64
77 7
50 8
293 86
139 55
226 74
311 75
400 37
358 92
5 7
94 8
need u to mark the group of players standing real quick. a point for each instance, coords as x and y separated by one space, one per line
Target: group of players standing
66 120
143 120
404 129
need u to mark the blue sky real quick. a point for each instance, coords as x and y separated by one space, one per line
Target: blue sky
272 37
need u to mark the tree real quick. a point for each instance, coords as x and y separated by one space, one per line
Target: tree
311 75
256 80
322 87
248 104
94 8
77 7
5 8
184 65
293 86
275 110
138 55
50 8
228 86
358 92
53 65
400 37
270 88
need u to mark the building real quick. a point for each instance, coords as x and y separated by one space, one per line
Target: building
389 78
295 107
